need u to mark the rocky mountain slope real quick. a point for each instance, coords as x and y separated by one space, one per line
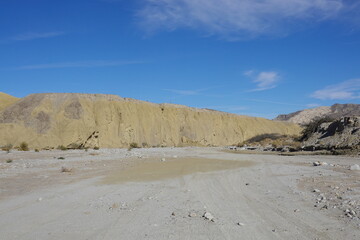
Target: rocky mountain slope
335 111
89 120
343 133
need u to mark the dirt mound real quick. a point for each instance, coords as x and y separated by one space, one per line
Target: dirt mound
97 120
304 117
6 100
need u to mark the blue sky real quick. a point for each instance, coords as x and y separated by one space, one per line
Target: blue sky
251 57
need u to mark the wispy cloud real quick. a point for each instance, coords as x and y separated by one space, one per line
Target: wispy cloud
84 64
346 90
236 19
185 92
263 80
36 35
274 102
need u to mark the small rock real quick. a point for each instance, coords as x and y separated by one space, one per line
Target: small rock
240 224
316 190
173 214
192 214
208 216
316 163
163 159
355 167
297 210
247 184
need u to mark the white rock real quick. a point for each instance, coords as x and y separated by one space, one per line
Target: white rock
208 216
163 159
355 167
240 224
316 163
316 190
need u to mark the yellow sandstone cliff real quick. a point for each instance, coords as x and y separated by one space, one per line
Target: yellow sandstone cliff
109 121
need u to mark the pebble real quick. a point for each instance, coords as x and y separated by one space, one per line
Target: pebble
240 224
318 163
355 167
192 214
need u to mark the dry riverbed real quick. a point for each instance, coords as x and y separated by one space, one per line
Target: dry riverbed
177 193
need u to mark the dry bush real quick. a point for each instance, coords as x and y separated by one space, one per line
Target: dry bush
7 147
65 169
24 146
275 140
133 145
62 148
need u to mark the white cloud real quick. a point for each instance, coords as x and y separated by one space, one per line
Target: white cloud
236 19
36 35
263 80
85 64
346 90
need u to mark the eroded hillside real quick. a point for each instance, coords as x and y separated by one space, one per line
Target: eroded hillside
50 120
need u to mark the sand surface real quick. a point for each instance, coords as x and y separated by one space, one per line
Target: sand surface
163 193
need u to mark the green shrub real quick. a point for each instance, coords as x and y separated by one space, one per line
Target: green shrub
24 146
9 161
96 148
37 150
61 158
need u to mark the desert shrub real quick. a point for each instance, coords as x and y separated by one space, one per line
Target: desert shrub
275 140
62 148
266 136
74 146
145 145
65 169
24 146
7 147
37 150
313 126
61 158
133 145
9 161
96 148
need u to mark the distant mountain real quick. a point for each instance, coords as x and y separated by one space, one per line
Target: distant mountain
335 111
